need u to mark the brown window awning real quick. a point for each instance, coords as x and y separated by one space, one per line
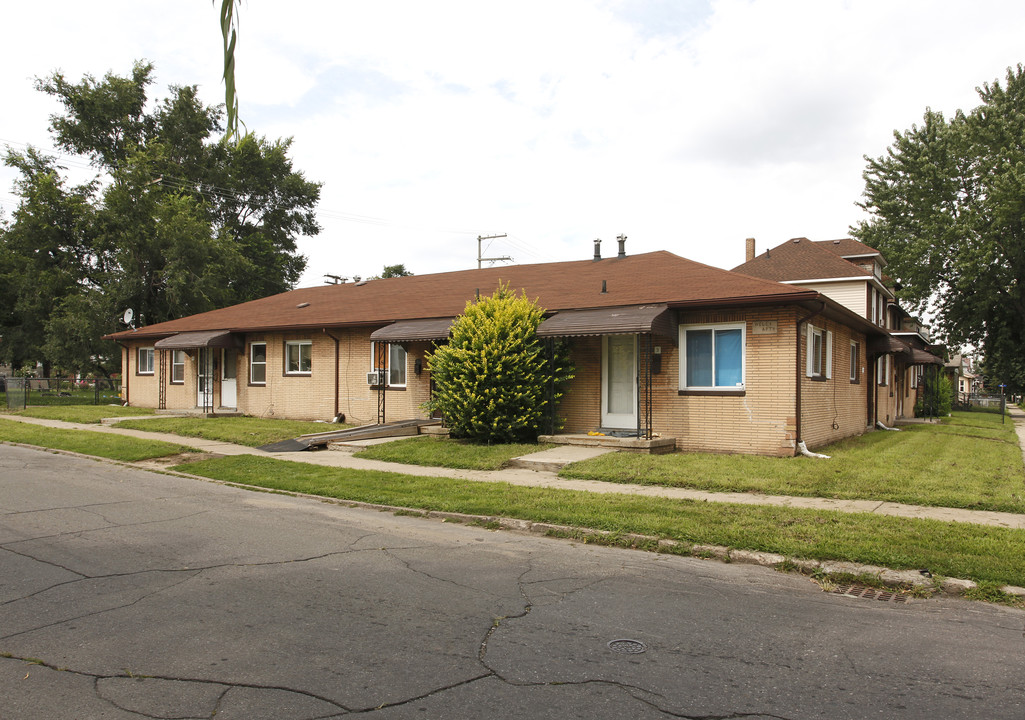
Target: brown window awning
200 339
628 320
409 330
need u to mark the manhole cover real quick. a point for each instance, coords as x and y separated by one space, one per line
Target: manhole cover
871 593
628 647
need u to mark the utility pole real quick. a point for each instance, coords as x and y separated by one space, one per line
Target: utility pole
494 259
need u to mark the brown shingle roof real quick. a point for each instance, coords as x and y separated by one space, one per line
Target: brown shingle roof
849 248
648 278
801 259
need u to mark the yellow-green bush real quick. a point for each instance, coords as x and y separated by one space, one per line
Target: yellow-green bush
491 378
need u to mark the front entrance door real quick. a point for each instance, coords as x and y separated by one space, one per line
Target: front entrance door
205 379
619 381
229 371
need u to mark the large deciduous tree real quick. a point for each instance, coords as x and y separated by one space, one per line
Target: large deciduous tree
177 220
947 205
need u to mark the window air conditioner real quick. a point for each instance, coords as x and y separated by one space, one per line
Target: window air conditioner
375 378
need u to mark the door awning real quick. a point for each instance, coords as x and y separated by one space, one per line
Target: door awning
199 339
887 345
628 320
921 357
409 330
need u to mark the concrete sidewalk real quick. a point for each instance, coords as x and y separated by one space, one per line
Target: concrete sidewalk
546 479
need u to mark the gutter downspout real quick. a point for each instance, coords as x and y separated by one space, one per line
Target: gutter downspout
337 345
125 370
798 441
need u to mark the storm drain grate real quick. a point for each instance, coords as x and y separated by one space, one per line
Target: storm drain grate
871 593
628 647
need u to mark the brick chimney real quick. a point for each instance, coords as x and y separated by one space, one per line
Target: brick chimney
750 249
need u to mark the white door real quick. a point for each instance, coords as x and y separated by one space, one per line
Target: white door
619 381
205 379
229 371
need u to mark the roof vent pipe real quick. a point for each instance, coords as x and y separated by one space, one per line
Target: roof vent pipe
622 246
597 249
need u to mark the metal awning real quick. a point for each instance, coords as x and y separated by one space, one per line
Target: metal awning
200 339
921 357
409 330
610 321
887 345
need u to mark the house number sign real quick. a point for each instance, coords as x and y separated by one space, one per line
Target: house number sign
763 327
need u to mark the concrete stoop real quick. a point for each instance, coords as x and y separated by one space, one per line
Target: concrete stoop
654 446
553 459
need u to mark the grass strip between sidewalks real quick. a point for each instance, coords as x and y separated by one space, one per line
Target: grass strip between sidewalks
248 431
82 413
980 553
444 452
87 442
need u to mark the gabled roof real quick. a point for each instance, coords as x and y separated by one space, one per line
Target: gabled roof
645 279
802 259
850 248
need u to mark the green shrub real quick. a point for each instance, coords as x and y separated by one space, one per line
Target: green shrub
937 397
493 380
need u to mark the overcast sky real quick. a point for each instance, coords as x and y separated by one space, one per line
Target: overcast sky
686 125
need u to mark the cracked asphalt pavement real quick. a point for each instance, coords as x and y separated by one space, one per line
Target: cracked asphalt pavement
127 594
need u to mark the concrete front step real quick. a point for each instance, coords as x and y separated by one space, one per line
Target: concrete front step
654 446
554 458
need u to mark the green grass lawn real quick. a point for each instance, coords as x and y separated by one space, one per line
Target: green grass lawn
105 445
980 553
969 461
445 452
249 431
82 413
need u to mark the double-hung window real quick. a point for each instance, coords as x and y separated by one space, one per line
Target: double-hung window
712 357
395 363
298 357
144 365
819 355
177 367
258 363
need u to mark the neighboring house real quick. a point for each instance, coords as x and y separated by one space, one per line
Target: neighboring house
851 273
662 346
960 369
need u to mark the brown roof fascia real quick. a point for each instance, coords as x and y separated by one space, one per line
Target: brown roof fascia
753 300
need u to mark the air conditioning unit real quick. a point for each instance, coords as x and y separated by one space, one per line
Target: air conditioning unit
375 378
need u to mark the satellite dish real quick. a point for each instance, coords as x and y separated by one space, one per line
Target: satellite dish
129 315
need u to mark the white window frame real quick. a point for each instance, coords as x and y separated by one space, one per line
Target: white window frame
253 364
684 329
144 367
388 362
883 371
819 364
300 345
855 362
177 367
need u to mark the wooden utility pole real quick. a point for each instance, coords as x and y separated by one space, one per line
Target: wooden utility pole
479 251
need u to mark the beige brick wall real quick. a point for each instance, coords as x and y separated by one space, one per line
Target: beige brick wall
836 407
762 420
301 397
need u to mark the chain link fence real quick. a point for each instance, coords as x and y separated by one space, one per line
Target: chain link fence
18 393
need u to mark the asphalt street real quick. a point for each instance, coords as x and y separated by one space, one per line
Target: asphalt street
132 594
